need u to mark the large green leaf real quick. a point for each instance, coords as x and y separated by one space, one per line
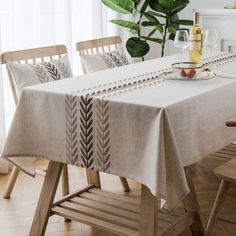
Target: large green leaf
172 37
144 6
137 47
121 6
167 4
173 6
156 40
150 17
149 23
184 22
179 5
156 24
153 13
171 30
126 24
137 2
154 4
160 28
152 32
172 21
152 22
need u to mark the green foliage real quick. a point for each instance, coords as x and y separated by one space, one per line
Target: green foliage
162 18
120 6
126 24
137 47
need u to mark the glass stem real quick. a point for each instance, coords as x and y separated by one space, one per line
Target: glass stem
211 51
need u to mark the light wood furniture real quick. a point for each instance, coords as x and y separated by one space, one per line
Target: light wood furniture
23 57
21 208
114 213
227 173
97 46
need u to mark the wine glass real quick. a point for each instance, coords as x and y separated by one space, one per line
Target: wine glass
211 38
181 41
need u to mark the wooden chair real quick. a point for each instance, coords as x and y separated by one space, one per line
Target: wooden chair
227 173
24 57
97 46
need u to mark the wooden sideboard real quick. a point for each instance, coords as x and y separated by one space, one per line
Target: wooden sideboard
224 21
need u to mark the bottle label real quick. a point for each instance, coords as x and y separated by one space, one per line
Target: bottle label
195 46
195 37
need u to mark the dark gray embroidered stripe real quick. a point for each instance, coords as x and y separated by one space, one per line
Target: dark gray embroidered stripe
103 135
71 117
86 131
63 69
52 70
136 80
40 72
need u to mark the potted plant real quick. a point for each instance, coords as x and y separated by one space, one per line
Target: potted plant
159 15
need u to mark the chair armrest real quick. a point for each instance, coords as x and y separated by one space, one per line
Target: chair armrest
231 123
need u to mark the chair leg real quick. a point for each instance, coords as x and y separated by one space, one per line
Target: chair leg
218 204
125 184
65 184
11 182
46 198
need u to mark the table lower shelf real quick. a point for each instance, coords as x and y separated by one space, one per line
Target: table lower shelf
114 212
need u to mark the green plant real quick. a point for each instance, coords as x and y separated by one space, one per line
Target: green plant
160 15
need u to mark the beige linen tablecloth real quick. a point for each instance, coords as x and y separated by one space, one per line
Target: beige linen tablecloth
127 122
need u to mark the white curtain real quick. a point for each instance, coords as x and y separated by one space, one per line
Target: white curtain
35 23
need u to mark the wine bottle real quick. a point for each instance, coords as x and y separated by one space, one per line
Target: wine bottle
196 40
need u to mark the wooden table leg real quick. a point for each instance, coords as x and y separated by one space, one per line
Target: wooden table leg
93 177
65 184
191 204
149 211
46 198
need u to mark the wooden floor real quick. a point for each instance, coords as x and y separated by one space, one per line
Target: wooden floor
16 214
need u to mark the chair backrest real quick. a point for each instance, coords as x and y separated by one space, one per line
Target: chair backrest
32 55
96 46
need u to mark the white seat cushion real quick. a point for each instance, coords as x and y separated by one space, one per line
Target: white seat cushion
25 75
93 63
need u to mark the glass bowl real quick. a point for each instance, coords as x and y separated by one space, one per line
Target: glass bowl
187 69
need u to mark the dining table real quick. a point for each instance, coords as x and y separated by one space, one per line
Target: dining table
131 121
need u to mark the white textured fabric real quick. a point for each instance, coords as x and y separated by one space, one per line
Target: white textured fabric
38 23
127 122
25 75
3 163
97 62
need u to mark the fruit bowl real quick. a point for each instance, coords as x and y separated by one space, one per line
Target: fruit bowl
186 69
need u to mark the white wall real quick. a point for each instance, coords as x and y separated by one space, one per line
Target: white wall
201 4
187 14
